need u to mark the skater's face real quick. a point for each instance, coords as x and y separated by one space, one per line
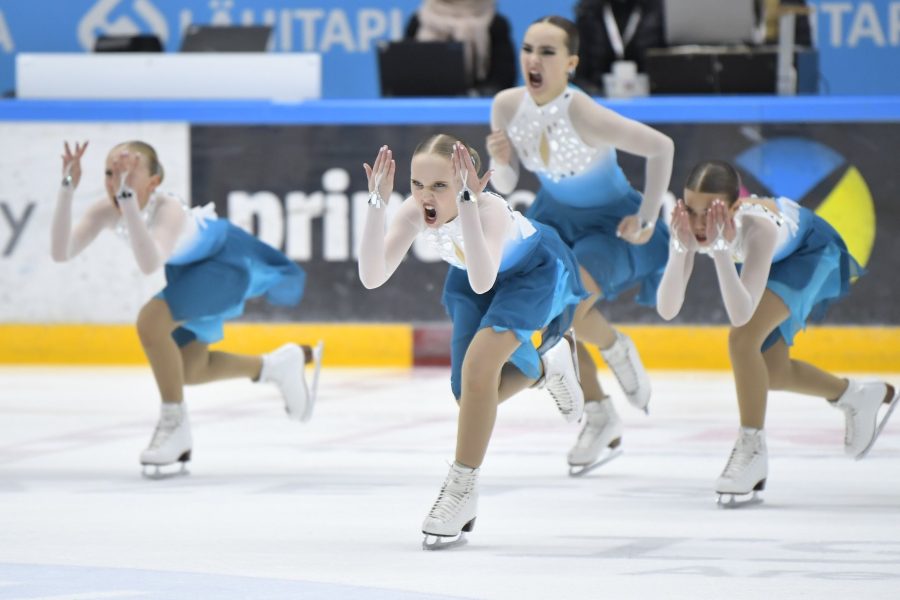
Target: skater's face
140 179
697 205
431 180
546 62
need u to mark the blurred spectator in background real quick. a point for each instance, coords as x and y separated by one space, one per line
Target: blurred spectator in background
802 30
485 34
614 30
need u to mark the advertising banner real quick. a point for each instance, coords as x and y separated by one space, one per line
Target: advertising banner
303 190
858 40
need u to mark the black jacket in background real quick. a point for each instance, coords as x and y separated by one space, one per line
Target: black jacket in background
502 71
596 54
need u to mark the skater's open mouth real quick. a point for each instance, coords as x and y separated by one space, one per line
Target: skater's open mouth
535 79
430 214
701 238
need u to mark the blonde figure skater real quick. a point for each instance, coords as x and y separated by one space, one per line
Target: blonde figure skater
793 266
211 268
570 143
508 278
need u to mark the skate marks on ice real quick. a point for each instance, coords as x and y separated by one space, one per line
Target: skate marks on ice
726 557
46 582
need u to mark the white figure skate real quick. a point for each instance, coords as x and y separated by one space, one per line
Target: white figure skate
746 471
625 363
454 511
600 439
861 403
561 379
285 368
171 443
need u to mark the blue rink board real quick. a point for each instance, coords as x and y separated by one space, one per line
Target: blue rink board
690 109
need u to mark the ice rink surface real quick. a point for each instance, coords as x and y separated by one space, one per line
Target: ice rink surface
333 508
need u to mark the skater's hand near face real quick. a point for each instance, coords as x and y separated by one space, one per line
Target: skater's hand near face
381 176
124 168
72 162
630 230
681 227
720 223
464 173
499 148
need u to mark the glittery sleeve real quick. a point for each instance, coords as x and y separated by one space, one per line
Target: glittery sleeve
503 109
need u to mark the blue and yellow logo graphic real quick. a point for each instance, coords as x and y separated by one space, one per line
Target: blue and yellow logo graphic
793 167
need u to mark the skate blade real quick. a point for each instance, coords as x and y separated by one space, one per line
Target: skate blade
304 415
582 470
884 419
445 542
317 353
733 502
156 472
732 498
439 542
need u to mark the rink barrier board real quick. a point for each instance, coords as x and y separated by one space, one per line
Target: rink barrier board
453 111
382 345
838 349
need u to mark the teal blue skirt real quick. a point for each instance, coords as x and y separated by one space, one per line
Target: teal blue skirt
814 276
210 282
615 264
540 292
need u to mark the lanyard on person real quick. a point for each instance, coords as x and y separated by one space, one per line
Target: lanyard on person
617 39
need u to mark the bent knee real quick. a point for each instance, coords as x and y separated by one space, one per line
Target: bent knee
480 380
779 375
152 324
745 339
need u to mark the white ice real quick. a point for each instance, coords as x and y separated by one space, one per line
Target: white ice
333 508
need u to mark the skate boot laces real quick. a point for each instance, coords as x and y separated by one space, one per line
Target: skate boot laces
166 426
561 394
850 430
742 455
453 495
595 422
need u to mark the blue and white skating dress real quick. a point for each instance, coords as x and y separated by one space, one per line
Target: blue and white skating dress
537 288
584 195
811 267
215 268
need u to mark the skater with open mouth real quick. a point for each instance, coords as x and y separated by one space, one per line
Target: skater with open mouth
508 277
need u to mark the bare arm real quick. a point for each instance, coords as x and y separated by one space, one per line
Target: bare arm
600 126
